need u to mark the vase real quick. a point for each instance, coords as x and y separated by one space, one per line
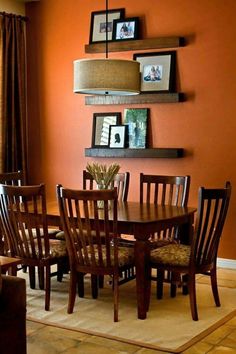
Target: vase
100 203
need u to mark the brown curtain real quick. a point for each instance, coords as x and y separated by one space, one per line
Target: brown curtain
13 122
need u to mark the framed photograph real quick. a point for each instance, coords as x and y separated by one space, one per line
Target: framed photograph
118 136
157 71
98 24
137 121
101 127
125 29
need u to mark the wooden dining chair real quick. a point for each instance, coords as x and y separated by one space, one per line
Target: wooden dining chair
88 254
121 182
24 222
15 179
165 190
201 255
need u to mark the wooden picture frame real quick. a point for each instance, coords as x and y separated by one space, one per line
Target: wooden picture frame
98 24
101 127
118 136
157 71
137 121
125 29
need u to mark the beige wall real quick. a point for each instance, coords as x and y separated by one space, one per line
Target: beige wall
12 6
204 125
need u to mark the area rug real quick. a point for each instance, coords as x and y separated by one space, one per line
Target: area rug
168 327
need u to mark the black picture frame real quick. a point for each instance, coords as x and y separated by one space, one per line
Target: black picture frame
137 120
101 127
118 136
98 24
125 29
157 71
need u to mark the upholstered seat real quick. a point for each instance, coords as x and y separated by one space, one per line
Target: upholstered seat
174 254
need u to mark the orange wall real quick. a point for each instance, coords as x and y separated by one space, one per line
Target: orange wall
60 124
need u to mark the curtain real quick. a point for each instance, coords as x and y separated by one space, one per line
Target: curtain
13 123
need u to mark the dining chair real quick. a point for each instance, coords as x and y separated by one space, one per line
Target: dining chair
24 223
80 215
165 190
121 182
15 179
200 256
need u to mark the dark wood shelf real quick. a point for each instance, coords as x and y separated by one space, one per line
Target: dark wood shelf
139 153
164 97
139 44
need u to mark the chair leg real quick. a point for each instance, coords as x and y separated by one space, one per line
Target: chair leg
192 297
41 277
148 288
101 281
215 287
81 284
94 285
72 291
185 286
116 296
160 279
32 277
60 268
48 288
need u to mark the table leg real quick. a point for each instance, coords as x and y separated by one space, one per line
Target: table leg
142 250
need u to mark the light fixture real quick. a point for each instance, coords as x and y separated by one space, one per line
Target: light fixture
106 76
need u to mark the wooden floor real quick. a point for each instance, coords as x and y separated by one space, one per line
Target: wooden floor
43 339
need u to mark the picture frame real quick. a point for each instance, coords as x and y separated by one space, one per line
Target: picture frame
98 24
125 29
157 71
137 121
118 136
101 127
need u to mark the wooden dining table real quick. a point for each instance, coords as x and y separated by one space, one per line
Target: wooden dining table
141 220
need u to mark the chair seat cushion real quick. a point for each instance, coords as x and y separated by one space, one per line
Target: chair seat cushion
57 248
125 256
172 254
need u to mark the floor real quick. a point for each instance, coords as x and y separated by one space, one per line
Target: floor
42 339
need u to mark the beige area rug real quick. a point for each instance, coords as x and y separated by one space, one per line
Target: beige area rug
168 327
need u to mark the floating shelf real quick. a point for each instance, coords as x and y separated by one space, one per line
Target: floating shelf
139 44
139 153
136 99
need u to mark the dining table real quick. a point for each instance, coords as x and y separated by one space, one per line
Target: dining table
141 220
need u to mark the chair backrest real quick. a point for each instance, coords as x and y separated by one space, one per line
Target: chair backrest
90 252
164 190
12 178
212 210
24 220
121 182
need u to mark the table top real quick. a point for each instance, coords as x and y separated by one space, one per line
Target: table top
135 212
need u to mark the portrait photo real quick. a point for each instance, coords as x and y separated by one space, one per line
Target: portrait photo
125 29
157 71
118 136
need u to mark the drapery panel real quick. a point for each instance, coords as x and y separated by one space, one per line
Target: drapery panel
13 122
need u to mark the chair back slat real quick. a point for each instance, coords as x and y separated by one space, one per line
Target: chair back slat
12 178
212 211
90 230
164 190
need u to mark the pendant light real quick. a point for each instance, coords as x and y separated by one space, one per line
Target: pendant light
106 76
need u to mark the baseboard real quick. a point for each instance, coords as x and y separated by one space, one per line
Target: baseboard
226 263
